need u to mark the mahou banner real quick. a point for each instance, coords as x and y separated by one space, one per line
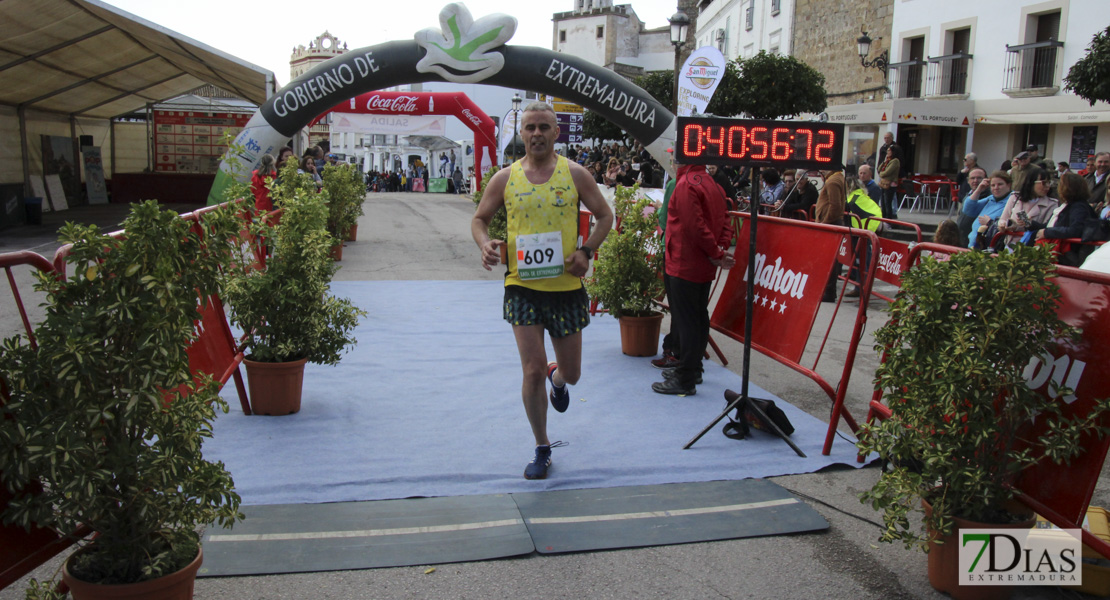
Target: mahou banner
789 278
698 80
1082 366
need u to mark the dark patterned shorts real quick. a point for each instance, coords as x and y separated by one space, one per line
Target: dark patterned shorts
560 313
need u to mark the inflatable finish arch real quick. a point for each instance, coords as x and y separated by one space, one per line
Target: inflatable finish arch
463 51
457 104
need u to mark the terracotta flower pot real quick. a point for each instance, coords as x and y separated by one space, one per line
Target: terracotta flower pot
352 233
275 388
337 252
175 586
944 557
640 335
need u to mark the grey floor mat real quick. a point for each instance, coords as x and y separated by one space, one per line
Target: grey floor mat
656 515
297 538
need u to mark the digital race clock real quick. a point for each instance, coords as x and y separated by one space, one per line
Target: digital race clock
748 142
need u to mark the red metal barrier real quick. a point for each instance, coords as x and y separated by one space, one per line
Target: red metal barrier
21 551
1062 493
790 280
28 258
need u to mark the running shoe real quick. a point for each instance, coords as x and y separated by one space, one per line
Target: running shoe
537 469
560 397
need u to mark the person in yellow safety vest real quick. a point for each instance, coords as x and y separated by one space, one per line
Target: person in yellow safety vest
860 211
861 207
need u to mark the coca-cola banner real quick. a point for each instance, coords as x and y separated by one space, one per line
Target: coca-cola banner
393 102
386 112
789 280
462 50
894 258
457 104
389 124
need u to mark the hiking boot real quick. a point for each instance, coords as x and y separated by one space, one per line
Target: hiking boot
667 361
672 373
673 387
537 469
560 397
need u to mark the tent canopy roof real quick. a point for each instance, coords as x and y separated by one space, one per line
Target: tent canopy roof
88 59
432 143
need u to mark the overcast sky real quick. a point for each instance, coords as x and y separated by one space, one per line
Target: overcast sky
265 33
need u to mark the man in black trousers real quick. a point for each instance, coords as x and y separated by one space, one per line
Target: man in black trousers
697 240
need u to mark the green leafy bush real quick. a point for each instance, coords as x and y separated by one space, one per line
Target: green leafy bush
960 336
499 224
286 309
627 274
104 425
345 189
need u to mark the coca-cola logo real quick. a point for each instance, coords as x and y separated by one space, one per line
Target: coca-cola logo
473 118
891 263
399 104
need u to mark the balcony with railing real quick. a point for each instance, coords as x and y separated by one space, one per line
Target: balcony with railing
1032 69
947 76
907 79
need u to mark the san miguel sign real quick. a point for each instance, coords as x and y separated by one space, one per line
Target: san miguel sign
461 50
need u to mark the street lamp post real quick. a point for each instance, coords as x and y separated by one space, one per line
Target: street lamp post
680 25
516 112
863 44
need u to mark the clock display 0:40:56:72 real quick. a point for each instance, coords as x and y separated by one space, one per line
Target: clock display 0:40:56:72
740 141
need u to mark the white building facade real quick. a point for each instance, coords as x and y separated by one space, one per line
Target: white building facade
741 28
987 77
612 37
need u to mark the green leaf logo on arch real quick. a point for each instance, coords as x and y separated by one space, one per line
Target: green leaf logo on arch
460 50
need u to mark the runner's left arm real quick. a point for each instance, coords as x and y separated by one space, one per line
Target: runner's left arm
588 194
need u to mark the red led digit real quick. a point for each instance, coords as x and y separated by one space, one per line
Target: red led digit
737 133
719 140
695 131
825 145
780 149
757 142
809 142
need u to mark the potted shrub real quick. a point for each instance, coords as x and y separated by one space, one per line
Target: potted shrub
498 225
286 311
345 189
105 422
960 336
627 275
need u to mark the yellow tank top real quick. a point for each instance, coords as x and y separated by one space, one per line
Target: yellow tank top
535 213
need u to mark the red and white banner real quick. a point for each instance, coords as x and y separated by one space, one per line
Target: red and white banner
1084 367
789 280
389 124
403 107
192 141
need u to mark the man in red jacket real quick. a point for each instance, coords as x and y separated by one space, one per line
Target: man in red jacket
698 235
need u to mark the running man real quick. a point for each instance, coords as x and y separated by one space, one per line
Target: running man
547 259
